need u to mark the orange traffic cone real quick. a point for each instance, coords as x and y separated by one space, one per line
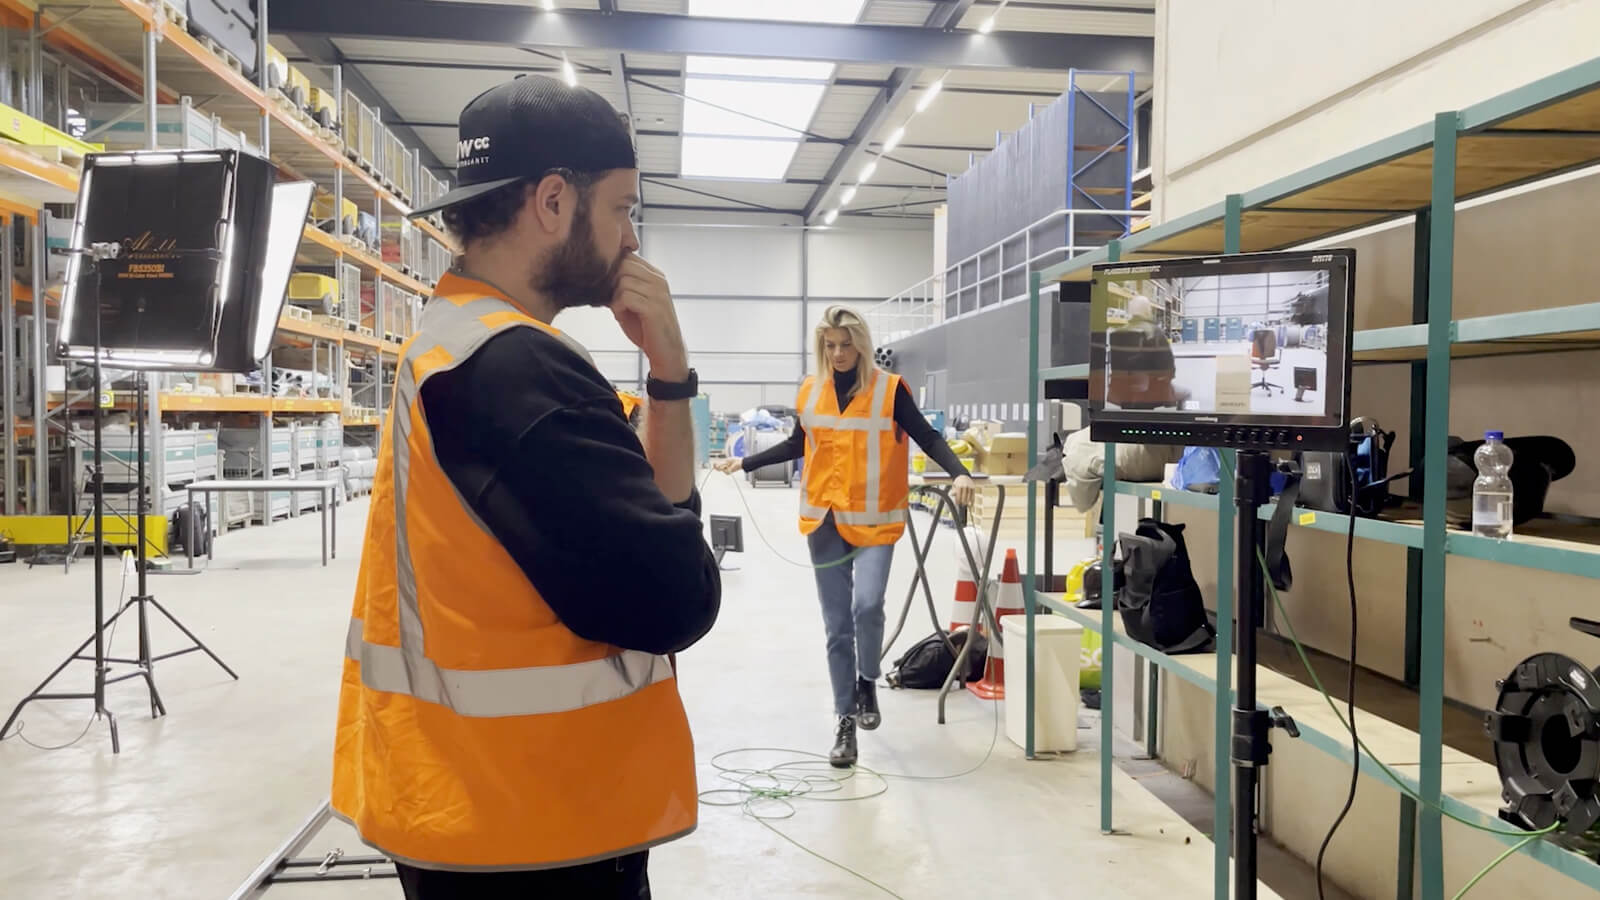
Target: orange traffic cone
965 602
1008 603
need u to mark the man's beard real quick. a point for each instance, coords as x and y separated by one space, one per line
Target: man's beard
575 274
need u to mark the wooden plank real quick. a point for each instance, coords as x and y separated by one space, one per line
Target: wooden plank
1577 113
1401 184
174 402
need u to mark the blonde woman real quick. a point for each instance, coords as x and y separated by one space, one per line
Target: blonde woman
854 422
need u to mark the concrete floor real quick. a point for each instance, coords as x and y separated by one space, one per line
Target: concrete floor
196 799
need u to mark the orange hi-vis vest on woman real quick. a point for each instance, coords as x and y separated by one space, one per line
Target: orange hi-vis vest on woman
475 731
856 461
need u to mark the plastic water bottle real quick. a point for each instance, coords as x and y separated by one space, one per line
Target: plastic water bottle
1491 492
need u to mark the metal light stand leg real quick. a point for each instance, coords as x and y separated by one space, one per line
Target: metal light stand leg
982 607
97 481
145 663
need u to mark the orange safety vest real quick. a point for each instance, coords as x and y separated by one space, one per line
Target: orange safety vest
856 461
630 402
477 732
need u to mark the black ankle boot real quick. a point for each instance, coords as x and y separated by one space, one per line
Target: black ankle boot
867 704
843 755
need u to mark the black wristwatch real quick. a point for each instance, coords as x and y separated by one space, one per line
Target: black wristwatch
673 390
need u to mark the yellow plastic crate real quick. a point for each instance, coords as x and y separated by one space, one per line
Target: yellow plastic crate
322 210
323 106
277 68
299 87
120 532
311 287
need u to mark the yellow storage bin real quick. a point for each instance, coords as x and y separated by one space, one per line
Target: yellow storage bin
120 531
277 68
299 87
322 211
324 107
319 293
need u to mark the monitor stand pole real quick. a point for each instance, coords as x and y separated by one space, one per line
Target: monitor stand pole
1251 724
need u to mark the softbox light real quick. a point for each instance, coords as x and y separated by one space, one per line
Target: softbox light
205 242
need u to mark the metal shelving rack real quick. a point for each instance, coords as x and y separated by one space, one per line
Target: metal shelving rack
136 45
1541 130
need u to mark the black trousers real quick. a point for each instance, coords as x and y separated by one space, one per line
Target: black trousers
623 878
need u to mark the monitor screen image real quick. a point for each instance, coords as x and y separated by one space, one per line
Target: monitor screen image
1249 341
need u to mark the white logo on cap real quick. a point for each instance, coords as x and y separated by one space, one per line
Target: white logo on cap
466 148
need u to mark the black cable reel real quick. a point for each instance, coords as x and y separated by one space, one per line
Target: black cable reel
1546 732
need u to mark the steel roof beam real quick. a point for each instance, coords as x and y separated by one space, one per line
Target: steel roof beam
515 25
945 16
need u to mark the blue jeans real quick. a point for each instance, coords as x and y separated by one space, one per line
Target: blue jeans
852 596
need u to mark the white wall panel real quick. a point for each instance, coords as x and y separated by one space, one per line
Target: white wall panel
747 325
736 398
766 368
594 328
750 262
870 264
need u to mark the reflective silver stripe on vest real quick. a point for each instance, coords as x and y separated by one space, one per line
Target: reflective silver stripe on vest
406 669
878 421
880 389
486 693
860 519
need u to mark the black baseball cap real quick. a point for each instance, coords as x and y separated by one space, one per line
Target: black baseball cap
528 126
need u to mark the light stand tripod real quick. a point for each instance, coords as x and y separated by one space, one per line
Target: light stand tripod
1251 725
145 663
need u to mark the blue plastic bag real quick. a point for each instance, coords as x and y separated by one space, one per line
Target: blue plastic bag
1200 469
1197 468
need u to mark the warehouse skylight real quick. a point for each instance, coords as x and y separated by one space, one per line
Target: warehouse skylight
745 118
759 68
837 11
732 157
729 100
745 108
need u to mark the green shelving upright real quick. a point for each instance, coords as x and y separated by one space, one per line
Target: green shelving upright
1533 133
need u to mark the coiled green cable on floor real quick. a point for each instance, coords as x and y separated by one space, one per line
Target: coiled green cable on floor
767 794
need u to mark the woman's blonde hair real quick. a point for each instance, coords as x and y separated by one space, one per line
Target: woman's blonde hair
846 319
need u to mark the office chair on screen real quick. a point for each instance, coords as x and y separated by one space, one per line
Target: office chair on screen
1264 357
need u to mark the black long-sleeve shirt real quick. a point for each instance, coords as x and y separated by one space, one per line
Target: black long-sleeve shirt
534 440
906 415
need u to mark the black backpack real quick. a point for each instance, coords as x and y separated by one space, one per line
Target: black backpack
1161 603
928 663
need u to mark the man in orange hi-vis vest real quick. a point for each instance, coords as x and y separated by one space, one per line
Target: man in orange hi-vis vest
509 721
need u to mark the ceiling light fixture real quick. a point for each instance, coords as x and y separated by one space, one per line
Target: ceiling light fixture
831 217
867 170
849 194
549 5
987 26
894 139
928 95
568 72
